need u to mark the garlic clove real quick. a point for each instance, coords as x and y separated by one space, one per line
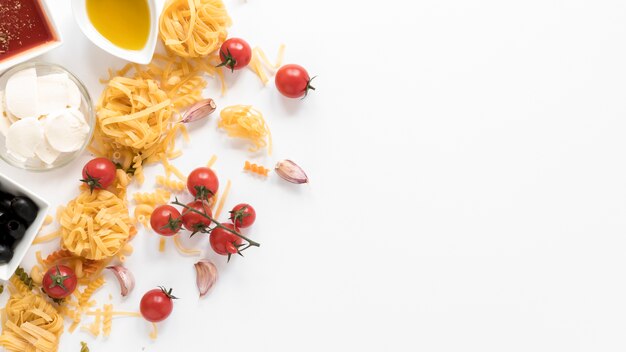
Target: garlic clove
199 110
291 172
125 277
206 275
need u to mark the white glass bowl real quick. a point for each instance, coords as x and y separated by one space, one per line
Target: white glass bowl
143 56
39 49
86 108
10 186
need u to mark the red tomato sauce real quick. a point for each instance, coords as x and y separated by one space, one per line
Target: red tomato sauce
23 26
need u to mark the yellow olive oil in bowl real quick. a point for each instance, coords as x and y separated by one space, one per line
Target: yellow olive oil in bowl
125 23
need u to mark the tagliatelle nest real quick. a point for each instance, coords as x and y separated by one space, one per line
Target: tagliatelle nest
31 324
96 225
134 112
194 28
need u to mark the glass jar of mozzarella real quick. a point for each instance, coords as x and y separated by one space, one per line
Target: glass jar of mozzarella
46 116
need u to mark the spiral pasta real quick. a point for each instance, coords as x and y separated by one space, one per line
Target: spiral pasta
155 198
85 296
32 324
244 121
18 285
193 28
254 168
173 185
57 256
96 225
108 317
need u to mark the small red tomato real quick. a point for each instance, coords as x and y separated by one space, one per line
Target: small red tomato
243 215
157 304
235 54
59 281
193 221
224 242
293 81
165 220
202 183
99 173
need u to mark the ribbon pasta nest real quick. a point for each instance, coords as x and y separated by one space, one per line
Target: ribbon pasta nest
244 121
31 324
134 112
194 28
96 225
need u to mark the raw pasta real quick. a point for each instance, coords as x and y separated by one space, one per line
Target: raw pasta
244 121
32 324
193 28
96 225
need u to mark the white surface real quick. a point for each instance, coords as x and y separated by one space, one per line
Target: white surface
468 186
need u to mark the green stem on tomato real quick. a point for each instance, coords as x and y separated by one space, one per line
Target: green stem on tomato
218 224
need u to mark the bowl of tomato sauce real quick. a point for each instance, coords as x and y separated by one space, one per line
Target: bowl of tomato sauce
27 30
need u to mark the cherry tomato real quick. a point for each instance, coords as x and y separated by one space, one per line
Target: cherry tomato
293 81
224 242
165 220
193 221
243 215
235 54
99 173
202 183
59 281
157 304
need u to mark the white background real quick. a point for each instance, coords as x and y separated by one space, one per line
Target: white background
468 187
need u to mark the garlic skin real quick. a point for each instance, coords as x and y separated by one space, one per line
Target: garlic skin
125 277
206 275
291 172
199 110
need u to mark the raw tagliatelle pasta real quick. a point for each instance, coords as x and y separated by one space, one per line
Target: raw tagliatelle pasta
96 225
244 121
134 112
193 28
30 324
136 126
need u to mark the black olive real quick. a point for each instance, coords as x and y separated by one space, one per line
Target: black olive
4 216
6 253
5 201
24 209
15 229
6 239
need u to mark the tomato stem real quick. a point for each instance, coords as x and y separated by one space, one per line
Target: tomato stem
218 224
229 61
92 182
308 87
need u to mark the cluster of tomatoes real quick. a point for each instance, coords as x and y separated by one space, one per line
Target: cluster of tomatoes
197 217
156 305
291 80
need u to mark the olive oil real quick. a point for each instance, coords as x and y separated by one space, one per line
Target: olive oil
125 23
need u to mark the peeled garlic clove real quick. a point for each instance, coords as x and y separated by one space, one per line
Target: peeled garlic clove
199 110
125 277
291 172
206 275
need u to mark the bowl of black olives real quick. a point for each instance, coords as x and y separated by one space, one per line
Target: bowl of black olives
22 214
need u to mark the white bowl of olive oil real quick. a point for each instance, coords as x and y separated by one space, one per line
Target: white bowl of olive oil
125 28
